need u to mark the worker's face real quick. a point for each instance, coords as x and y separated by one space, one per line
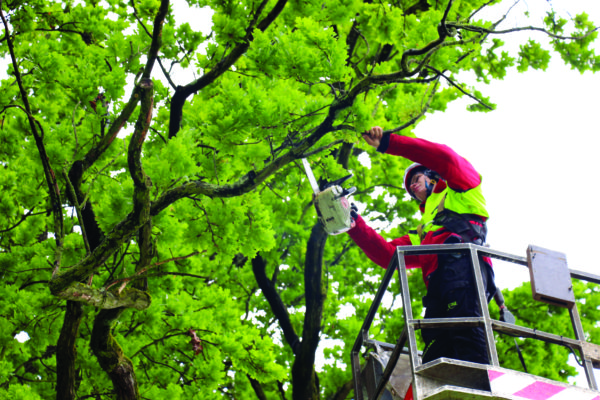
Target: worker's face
418 186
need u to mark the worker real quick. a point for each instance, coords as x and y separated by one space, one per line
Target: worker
452 206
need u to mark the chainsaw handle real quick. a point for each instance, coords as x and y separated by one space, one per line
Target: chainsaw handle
337 182
348 192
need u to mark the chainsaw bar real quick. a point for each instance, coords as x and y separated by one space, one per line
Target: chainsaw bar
311 177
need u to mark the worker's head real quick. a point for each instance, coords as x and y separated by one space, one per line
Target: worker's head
419 181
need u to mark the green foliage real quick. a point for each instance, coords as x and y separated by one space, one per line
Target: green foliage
532 55
224 182
541 358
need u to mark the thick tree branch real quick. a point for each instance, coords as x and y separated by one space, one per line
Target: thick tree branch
258 390
66 353
111 357
138 217
183 92
51 181
304 378
277 306
159 20
96 151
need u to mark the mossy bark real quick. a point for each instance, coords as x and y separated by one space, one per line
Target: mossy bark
111 357
66 352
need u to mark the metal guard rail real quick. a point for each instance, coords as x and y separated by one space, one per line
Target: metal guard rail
411 324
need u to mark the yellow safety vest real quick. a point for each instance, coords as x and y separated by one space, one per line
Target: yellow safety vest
449 207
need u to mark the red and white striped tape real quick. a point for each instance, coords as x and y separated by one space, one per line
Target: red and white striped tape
523 386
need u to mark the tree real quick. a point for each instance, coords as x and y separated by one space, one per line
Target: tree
158 235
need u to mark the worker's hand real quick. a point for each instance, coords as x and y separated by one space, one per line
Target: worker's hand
373 136
353 215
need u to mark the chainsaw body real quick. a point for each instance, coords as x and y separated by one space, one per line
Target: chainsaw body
331 203
333 210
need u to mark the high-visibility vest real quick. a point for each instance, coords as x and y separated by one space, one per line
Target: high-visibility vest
459 212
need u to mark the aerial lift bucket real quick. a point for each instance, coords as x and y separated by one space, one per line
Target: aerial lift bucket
447 379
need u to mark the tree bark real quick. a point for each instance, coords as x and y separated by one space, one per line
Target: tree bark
66 352
111 357
304 377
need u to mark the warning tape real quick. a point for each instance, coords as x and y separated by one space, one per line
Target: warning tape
523 386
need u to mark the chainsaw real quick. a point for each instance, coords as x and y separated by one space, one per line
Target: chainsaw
331 202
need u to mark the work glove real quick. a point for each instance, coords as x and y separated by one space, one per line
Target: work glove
353 215
506 316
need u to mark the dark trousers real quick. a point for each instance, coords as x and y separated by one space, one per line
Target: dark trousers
451 294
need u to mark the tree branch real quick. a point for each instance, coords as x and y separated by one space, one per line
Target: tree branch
323 148
277 306
111 357
139 272
105 299
23 218
159 20
439 73
304 378
51 181
183 92
479 29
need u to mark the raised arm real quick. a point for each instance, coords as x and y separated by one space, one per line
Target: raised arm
458 173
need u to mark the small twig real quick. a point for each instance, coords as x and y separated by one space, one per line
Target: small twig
458 87
482 7
320 149
28 214
138 274
166 74
75 128
72 193
415 118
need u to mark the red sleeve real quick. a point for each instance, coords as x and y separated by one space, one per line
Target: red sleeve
454 169
376 247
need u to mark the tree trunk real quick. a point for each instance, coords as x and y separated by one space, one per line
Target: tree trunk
66 352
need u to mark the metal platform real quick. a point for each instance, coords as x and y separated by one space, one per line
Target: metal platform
447 379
